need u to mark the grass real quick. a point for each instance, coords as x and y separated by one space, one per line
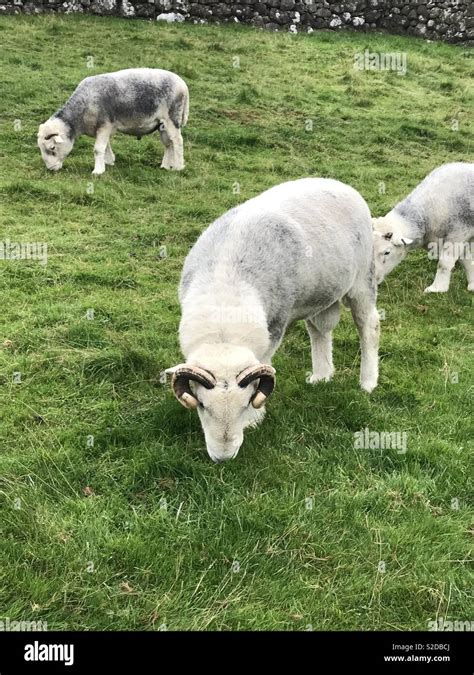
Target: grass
136 528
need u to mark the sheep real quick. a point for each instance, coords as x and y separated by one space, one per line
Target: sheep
137 101
293 252
439 216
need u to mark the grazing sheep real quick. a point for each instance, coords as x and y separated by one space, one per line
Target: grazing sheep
439 216
291 253
137 101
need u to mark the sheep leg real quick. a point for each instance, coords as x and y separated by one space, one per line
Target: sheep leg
109 157
320 329
179 152
468 264
165 139
447 260
100 146
173 142
366 318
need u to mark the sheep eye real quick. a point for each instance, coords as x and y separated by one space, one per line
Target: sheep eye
386 252
204 408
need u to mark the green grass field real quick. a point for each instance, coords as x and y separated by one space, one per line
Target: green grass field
137 529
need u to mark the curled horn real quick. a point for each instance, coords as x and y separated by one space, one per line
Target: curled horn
266 375
181 379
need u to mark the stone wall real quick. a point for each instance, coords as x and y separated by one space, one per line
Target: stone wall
450 20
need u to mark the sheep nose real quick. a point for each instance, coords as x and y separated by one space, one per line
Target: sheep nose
221 460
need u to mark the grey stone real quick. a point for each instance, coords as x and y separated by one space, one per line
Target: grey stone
434 19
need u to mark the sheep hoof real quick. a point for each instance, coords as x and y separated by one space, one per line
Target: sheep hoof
435 289
368 385
321 377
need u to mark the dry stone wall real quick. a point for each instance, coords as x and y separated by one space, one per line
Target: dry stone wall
450 20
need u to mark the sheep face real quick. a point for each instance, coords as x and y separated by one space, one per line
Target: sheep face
54 144
390 248
225 412
228 387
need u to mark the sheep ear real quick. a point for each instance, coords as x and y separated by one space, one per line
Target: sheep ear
59 139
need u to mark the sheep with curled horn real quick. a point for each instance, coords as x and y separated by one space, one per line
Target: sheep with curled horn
293 252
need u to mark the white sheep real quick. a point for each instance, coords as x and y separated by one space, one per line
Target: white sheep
291 253
439 216
137 101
